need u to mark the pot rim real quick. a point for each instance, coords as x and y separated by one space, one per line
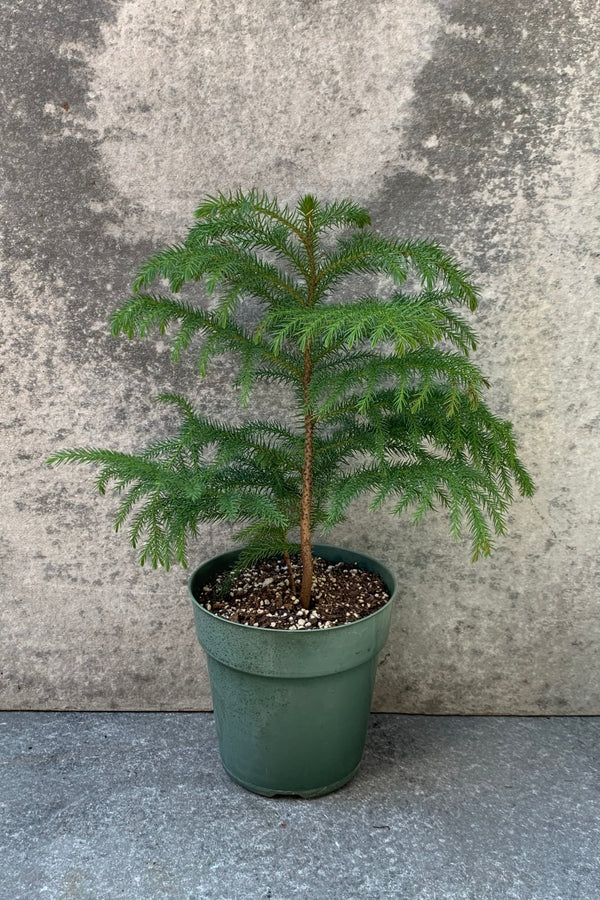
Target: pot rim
287 631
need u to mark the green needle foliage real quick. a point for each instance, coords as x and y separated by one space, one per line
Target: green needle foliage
386 399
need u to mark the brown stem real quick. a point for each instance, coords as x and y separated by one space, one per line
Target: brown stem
309 424
307 479
288 563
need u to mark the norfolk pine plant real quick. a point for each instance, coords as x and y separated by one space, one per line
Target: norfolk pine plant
387 402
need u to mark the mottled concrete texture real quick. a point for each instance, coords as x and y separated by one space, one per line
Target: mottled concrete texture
136 806
475 123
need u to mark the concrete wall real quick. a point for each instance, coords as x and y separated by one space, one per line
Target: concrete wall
475 123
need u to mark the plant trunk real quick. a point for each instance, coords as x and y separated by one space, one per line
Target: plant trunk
309 424
306 502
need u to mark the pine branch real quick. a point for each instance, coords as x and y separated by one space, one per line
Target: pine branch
251 205
362 253
407 322
340 214
422 484
434 264
145 312
369 254
256 233
333 380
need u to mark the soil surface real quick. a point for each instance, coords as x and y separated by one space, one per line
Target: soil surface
261 595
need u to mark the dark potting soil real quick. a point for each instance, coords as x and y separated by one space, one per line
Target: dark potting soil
261 595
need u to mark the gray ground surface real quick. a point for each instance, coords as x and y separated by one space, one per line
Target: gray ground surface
136 805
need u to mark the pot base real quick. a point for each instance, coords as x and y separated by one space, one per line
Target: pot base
304 795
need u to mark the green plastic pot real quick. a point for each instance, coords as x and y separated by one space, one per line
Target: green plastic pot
291 707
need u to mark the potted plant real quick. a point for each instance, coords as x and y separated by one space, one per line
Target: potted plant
380 398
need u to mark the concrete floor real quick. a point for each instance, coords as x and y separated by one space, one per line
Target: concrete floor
136 806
